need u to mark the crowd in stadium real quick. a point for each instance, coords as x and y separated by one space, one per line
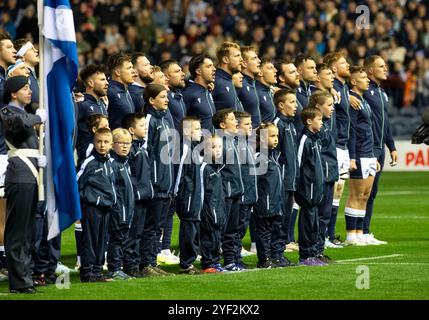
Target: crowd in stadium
311 87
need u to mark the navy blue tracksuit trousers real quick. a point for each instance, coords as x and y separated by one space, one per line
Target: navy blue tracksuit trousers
268 238
95 224
230 236
115 248
287 209
308 231
324 213
210 247
188 242
132 244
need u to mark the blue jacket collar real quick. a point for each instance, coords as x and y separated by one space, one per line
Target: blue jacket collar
262 86
117 84
156 113
285 118
223 74
99 157
310 134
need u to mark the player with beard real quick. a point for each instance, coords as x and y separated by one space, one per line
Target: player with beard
248 94
265 80
198 99
144 76
287 75
230 61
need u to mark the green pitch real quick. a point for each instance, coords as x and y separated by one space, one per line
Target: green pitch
398 270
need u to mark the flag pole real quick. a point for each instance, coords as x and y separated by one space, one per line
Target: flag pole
41 187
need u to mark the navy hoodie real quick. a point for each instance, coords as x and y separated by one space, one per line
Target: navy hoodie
342 111
177 107
270 186
266 102
159 144
199 103
122 212
224 94
361 142
140 171
120 103
288 148
249 99
96 181
311 176
378 101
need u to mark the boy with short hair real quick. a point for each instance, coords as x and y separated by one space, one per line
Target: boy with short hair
213 214
310 188
233 187
286 104
188 195
250 196
122 213
143 192
98 196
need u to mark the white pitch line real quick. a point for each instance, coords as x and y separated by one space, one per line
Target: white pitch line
390 263
370 258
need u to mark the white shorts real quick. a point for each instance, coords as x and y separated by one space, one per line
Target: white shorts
343 160
365 167
3 166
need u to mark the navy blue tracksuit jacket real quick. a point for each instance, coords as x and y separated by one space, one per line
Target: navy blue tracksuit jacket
199 103
288 148
377 100
249 177
311 177
342 111
270 187
90 105
213 214
158 142
266 102
96 182
120 103
136 93
122 213
224 94
231 174
329 152
361 142
249 99
188 194
140 171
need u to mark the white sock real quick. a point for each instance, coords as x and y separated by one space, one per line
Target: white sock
359 235
78 260
351 236
2 248
253 246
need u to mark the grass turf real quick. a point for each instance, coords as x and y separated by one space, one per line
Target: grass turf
401 217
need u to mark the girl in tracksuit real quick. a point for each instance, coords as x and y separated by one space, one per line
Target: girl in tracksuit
143 191
268 208
160 151
96 183
323 101
122 213
361 150
213 213
309 193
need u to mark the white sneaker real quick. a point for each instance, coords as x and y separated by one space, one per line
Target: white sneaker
371 236
198 259
245 253
167 258
292 246
354 242
61 269
253 248
329 244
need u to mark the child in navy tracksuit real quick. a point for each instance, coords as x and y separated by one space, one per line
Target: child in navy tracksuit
323 101
94 122
122 213
286 104
233 187
143 191
160 151
310 189
188 196
248 167
268 209
213 214
98 196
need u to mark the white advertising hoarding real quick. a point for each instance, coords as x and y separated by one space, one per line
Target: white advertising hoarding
411 157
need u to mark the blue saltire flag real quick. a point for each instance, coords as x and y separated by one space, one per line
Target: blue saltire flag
59 76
